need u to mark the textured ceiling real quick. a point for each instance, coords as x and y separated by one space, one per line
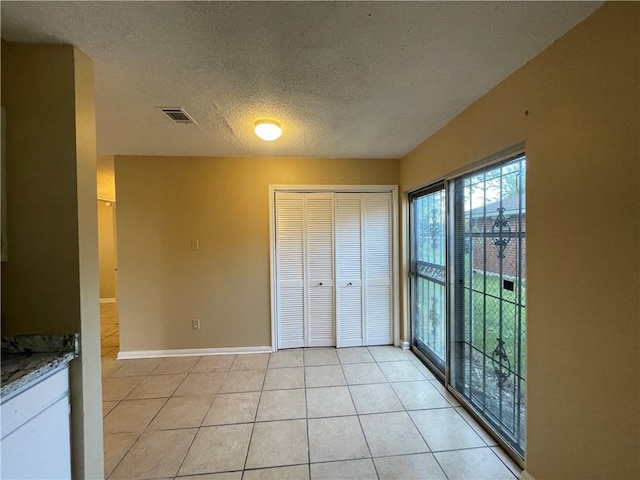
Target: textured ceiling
345 79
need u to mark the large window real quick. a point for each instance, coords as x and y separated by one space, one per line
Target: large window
478 344
428 274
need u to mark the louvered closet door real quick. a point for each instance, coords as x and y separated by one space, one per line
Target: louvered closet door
320 262
377 268
348 224
290 269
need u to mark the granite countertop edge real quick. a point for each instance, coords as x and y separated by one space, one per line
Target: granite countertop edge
26 358
22 369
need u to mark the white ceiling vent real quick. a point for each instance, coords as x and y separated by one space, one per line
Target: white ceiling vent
177 114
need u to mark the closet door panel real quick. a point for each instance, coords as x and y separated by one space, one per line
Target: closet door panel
320 269
378 318
348 226
290 269
321 329
377 267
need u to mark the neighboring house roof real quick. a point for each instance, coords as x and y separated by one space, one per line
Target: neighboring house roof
511 206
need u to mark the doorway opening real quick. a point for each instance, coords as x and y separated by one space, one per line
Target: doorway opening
109 325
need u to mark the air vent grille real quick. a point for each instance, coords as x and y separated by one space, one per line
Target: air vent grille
177 114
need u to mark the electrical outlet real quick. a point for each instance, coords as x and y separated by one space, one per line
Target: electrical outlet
195 245
195 324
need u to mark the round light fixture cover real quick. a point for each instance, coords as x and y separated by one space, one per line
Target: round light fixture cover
268 130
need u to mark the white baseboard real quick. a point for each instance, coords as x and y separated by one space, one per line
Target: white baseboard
405 345
526 476
191 352
107 300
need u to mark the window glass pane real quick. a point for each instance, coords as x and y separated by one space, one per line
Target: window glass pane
489 277
428 294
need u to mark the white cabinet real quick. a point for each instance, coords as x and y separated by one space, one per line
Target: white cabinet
35 431
333 269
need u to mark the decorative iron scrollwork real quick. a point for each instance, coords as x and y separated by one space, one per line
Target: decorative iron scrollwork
501 362
500 226
431 270
434 315
434 228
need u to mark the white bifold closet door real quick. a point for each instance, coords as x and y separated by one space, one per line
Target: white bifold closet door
349 301
304 269
310 310
363 269
290 273
320 263
376 241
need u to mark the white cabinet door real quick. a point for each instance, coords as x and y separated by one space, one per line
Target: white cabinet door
35 431
348 225
40 448
320 263
377 268
290 269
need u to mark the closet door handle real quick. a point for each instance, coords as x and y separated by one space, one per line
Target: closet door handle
349 284
320 284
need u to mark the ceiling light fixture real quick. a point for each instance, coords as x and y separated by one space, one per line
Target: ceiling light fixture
268 130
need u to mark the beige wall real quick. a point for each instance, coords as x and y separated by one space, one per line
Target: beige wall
106 248
50 282
106 178
165 202
582 144
41 278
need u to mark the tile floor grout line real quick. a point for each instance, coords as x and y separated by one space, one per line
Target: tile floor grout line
364 435
357 459
429 446
235 358
255 419
147 428
306 420
161 396
436 382
366 441
126 453
419 433
503 462
446 475
226 372
470 426
186 452
448 450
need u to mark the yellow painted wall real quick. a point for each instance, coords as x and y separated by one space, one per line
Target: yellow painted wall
165 202
50 282
41 279
106 178
106 249
582 136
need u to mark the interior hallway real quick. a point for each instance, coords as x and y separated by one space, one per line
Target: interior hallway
109 330
371 413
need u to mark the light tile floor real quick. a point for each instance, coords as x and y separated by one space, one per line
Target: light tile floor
318 413
364 413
